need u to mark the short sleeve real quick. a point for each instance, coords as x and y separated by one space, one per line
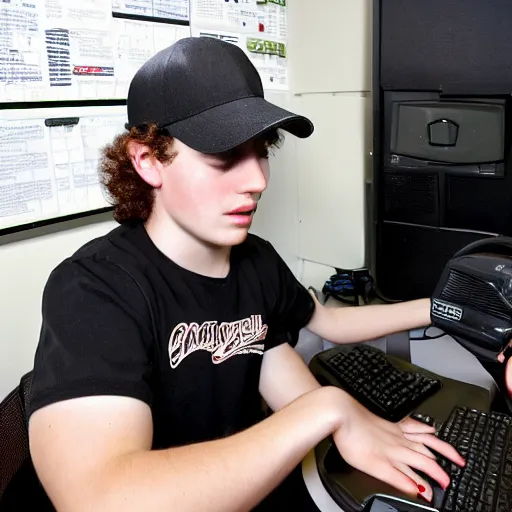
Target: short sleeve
293 306
95 337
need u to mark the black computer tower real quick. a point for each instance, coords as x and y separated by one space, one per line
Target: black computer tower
442 167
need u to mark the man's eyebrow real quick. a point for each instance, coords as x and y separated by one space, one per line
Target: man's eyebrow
231 154
258 144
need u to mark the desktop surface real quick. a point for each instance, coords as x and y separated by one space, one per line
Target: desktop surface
350 488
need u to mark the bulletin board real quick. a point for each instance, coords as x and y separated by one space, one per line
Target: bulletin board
65 70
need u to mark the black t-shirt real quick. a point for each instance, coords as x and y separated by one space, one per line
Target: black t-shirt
120 318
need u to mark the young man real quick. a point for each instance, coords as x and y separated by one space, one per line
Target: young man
160 339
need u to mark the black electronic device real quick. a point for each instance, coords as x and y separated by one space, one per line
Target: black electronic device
470 134
442 142
453 45
386 390
382 503
473 298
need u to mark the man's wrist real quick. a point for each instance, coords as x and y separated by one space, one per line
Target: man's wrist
421 311
428 308
332 403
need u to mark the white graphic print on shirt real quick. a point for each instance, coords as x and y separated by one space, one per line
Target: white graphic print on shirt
223 340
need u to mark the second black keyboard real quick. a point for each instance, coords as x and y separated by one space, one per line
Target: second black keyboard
366 374
484 484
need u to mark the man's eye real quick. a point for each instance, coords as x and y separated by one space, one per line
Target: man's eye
223 164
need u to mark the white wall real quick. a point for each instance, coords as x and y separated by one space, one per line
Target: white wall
316 184
276 219
315 208
330 57
24 269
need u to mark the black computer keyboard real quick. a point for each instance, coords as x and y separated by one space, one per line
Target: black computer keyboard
484 440
381 387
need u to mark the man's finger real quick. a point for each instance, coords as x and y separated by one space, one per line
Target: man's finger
426 465
395 478
442 447
411 426
508 377
423 486
419 447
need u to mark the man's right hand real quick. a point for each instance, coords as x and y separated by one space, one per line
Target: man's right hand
508 368
391 452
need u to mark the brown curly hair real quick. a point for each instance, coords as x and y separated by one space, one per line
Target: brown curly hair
131 197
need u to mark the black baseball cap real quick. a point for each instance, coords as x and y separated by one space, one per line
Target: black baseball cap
207 93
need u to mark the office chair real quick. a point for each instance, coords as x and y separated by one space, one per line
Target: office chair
14 448
20 488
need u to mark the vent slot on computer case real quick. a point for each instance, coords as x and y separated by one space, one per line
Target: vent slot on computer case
470 291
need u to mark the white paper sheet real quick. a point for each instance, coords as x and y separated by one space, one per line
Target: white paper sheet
47 172
27 190
227 15
138 7
56 50
166 9
171 9
136 42
273 19
21 50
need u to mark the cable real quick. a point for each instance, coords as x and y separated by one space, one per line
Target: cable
426 337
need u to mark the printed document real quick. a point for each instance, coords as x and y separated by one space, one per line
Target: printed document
167 9
136 42
51 171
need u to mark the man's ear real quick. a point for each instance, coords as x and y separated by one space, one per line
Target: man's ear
145 163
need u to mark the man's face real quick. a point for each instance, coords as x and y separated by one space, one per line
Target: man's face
213 197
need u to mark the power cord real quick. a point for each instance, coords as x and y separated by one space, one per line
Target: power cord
427 337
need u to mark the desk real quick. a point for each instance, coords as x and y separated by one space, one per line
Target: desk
453 393
315 486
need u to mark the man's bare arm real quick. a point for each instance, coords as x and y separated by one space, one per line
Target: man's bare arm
388 451
284 377
352 325
95 454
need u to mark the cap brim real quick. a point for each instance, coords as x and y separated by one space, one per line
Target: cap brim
229 125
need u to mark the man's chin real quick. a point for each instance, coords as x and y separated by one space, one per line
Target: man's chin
236 237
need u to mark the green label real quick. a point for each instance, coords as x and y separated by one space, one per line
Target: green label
266 47
282 3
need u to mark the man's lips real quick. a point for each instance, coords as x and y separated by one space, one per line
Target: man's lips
243 209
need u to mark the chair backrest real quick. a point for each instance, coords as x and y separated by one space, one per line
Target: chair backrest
14 447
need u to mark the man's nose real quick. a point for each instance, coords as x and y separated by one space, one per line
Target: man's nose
254 174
